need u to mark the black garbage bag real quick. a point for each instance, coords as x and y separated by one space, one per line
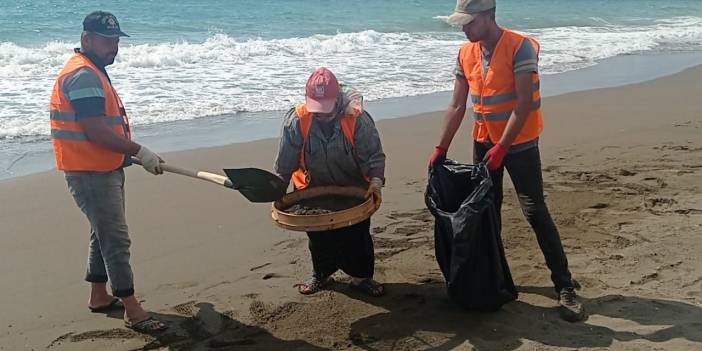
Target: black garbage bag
467 236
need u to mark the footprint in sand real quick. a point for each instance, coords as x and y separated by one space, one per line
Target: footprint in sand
659 202
645 279
379 230
108 334
621 242
263 313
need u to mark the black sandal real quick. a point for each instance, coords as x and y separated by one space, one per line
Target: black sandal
114 305
313 285
369 287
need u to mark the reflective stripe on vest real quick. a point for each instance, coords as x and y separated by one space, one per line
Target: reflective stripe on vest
67 134
301 177
493 93
71 117
498 99
501 116
72 148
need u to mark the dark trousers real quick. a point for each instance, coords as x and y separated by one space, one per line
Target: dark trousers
349 249
525 171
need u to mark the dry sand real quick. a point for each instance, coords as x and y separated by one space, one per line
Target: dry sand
623 170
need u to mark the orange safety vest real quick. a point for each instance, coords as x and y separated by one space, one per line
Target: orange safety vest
73 150
301 177
493 94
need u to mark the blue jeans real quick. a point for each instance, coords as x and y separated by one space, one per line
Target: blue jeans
101 197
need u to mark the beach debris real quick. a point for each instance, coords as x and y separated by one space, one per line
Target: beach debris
323 205
271 275
683 124
306 211
626 173
259 267
688 211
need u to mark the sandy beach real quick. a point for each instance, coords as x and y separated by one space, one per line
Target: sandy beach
622 168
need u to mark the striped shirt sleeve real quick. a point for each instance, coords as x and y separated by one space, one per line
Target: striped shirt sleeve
84 83
84 89
526 59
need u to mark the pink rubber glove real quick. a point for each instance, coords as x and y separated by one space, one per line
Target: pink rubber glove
439 152
495 156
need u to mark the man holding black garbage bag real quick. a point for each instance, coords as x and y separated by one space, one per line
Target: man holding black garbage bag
498 69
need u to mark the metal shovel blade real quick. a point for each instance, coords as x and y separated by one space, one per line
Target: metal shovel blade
257 185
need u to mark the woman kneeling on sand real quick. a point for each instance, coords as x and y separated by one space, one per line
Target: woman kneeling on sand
330 140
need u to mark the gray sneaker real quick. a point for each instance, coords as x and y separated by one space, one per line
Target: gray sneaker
570 308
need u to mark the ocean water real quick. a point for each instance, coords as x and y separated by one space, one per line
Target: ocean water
226 59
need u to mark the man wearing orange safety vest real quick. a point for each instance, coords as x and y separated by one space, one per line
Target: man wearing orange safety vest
92 144
331 140
497 68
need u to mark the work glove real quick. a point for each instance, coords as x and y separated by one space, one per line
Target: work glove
149 160
375 190
494 157
438 155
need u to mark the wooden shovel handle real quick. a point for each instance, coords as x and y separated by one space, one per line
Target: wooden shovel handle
210 177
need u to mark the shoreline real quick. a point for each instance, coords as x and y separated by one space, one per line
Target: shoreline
221 131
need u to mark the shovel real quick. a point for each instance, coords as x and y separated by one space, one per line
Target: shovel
257 185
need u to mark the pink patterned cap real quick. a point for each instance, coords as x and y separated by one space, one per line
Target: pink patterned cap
321 91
